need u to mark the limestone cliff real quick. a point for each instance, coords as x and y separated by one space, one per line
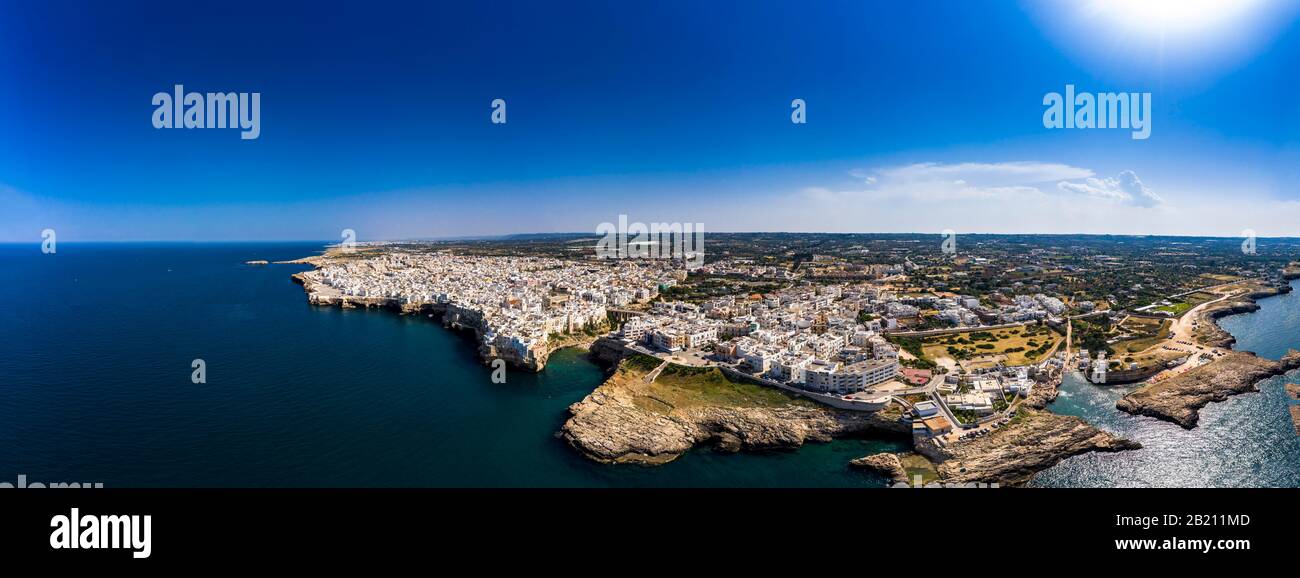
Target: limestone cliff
886 464
532 359
1032 442
1208 331
1179 399
633 419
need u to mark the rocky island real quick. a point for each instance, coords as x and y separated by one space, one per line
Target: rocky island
888 465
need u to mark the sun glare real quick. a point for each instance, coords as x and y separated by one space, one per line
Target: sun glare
1174 15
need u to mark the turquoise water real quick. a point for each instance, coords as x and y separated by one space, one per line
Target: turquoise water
1247 440
95 386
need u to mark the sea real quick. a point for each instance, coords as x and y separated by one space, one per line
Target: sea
100 343
1246 441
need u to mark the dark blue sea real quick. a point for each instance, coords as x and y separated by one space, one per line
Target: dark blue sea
95 366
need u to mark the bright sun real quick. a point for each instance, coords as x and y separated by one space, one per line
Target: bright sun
1173 15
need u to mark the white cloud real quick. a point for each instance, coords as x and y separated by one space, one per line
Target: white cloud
939 182
1125 188
985 174
1005 181
1006 197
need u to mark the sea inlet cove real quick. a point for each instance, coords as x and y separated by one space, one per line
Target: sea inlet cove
776 360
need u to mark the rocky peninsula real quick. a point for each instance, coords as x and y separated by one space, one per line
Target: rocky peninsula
647 415
1034 441
1180 398
643 416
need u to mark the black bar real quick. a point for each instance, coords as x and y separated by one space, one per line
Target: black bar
316 525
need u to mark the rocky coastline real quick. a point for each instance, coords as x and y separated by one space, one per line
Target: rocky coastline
630 420
1209 332
452 317
1034 441
1044 392
605 351
1180 398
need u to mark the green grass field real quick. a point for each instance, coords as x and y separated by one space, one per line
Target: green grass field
1020 345
1177 309
687 386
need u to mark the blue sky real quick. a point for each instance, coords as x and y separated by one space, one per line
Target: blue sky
922 116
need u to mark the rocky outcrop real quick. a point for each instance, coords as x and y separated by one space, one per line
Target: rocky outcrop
1046 389
886 464
606 351
1035 439
630 420
1209 333
1032 442
1179 398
